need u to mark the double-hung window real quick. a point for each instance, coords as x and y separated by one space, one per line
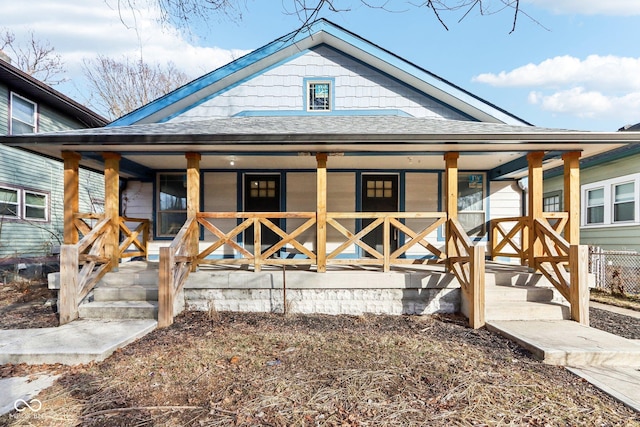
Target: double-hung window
595 206
612 202
20 203
624 202
23 115
471 205
172 203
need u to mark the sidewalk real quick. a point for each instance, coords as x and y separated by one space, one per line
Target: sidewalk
78 342
607 361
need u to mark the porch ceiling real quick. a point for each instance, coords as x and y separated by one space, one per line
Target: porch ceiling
376 142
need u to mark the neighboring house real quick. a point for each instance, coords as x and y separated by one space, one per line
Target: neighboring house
31 188
610 197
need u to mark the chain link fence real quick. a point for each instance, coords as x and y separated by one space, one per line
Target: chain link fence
617 272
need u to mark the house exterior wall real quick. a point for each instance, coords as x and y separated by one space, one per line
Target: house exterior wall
356 87
623 236
23 171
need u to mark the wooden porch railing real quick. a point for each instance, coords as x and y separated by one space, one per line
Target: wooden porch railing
390 221
564 265
510 236
467 263
176 261
83 264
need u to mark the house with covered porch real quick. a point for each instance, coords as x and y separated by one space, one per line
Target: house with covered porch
323 152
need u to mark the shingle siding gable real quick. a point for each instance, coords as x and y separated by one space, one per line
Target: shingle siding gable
357 87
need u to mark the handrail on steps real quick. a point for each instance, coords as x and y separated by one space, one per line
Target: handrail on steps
83 264
466 261
175 265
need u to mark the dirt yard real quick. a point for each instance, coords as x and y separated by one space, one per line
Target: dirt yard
241 369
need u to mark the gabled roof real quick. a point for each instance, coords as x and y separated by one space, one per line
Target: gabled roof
37 91
321 32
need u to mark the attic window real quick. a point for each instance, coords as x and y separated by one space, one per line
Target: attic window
319 96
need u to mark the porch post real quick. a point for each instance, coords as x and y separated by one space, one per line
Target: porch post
572 196
535 203
321 212
112 206
193 200
451 195
71 195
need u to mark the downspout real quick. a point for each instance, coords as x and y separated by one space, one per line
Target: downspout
523 185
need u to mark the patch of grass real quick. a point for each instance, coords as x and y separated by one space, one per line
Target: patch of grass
625 301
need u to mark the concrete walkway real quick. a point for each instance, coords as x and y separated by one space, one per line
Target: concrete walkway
609 362
81 341
78 342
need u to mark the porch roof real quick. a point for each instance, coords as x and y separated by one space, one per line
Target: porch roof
352 135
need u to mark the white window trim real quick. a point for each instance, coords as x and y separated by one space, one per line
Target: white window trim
308 84
609 198
11 118
21 205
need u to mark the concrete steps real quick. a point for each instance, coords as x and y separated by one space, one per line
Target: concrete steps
119 310
133 295
520 295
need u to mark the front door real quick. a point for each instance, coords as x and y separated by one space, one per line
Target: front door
262 194
379 194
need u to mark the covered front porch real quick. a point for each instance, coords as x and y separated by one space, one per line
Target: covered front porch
95 244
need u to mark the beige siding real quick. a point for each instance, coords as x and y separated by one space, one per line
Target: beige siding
505 199
421 195
301 197
341 197
220 191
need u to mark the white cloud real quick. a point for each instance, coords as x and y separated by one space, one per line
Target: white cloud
594 87
590 7
80 30
595 71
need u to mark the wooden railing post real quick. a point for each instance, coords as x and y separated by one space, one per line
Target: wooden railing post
257 245
321 212
165 287
451 194
112 206
579 283
193 202
476 288
535 204
68 298
386 245
71 195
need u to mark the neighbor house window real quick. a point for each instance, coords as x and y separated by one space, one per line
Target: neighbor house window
552 202
9 203
20 203
319 95
612 202
624 202
23 115
471 206
595 206
172 203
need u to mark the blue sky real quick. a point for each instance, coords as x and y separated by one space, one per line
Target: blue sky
577 66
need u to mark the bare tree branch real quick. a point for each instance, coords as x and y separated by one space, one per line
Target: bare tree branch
35 57
121 86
